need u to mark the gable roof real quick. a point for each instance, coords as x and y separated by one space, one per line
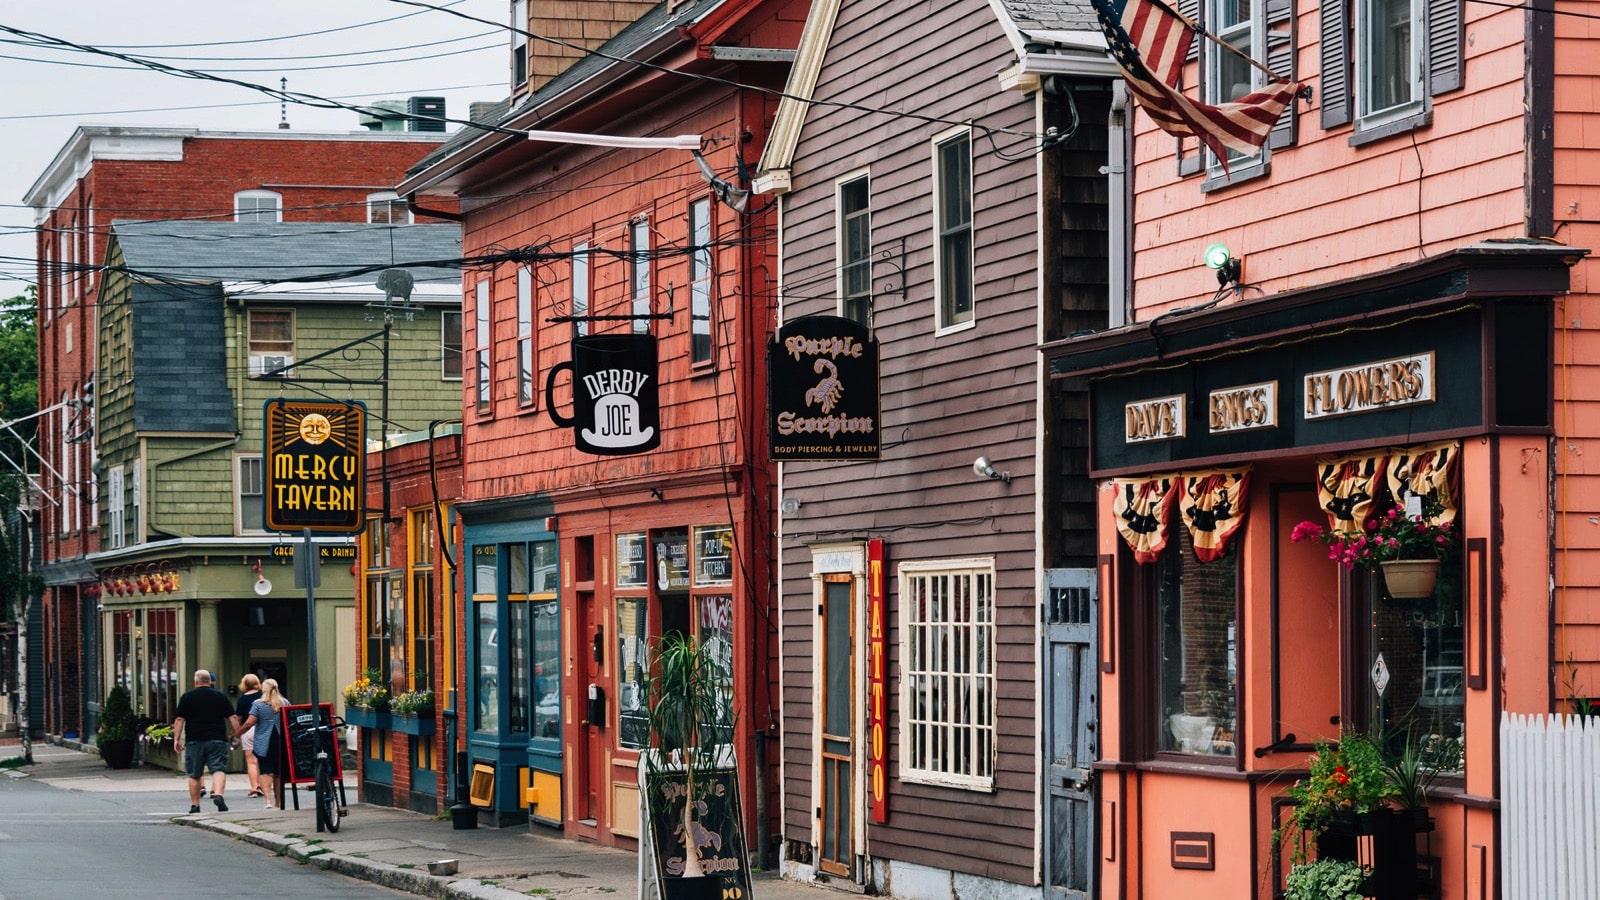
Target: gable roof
323 252
1046 37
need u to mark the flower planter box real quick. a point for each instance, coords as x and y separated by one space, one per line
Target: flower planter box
367 718
421 724
160 753
1385 837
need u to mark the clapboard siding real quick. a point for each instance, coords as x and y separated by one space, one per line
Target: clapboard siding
945 400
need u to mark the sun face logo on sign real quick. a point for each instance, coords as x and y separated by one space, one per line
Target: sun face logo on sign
315 466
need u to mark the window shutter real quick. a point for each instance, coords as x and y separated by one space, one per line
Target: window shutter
1281 44
1189 164
1190 9
1444 46
1334 96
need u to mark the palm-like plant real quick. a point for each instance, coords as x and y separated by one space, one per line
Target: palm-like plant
688 717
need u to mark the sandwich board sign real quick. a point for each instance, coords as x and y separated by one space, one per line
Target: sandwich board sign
315 466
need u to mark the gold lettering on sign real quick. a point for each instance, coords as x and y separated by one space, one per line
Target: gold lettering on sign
1245 407
1369 387
1156 419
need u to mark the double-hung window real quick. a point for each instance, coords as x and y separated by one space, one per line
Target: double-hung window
855 250
386 208
639 273
450 345
1259 36
116 535
1388 66
1384 60
525 391
481 357
519 43
252 500
947 685
952 204
700 281
1229 74
580 290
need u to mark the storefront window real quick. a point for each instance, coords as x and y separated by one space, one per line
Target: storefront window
488 647
521 673
633 730
1413 673
713 555
377 625
716 641
122 649
546 669
633 569
1196 636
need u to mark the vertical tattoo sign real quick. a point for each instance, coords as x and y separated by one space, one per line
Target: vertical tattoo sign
877 684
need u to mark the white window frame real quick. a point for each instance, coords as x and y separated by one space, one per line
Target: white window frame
445 345
254 211
390 203
1249 36
942 323
639 273
519 42
580 289
844 260
480 361
135 488
527 392
241 497
979 774
116 529
701 302
1364 66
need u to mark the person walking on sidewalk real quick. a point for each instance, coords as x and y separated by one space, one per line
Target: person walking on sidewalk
202 728
262 724
249 693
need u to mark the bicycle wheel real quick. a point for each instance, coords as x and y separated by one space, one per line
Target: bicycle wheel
327 798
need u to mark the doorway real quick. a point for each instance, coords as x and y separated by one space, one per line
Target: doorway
1070 677
836 726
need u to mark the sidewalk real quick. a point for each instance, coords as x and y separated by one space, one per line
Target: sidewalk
389 846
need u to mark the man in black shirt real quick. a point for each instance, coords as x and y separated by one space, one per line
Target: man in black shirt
205 718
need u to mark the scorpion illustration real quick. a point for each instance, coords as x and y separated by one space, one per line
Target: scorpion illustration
827 391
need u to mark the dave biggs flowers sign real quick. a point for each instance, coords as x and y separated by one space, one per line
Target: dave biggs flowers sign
822 384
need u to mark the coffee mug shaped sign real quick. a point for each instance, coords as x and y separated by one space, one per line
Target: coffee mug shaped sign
615 407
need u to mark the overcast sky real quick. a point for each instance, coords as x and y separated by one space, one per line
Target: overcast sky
376 53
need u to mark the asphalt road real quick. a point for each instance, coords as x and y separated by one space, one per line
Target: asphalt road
72 837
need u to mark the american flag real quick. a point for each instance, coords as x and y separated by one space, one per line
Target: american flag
1150 44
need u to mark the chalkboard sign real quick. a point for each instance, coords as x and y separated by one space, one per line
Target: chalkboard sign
716 828
297 724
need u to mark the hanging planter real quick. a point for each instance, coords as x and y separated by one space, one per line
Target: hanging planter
1410 579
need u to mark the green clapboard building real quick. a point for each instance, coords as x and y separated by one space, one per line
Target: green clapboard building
201 324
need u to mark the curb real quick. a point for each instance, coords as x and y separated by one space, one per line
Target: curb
411 881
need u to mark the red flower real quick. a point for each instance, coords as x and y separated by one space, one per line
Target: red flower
1340 776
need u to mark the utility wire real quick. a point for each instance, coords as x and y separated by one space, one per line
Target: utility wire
273 69
268 40
154 109
318 56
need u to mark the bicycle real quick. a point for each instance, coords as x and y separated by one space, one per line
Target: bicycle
328 802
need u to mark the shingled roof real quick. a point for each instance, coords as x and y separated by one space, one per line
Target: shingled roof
287 251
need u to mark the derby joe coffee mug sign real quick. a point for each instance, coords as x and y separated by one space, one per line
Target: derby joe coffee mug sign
615 410
822 390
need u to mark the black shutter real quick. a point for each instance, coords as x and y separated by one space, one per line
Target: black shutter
1281 45
1189 164
1444 46
1334 92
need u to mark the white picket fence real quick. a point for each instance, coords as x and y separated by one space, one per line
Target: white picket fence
1550 807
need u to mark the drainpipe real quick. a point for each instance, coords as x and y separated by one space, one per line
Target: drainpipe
150 483
1119 153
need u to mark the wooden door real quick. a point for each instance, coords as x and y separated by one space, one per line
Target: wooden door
1069 732
836 727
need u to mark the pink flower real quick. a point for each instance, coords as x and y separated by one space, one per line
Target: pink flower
1305 531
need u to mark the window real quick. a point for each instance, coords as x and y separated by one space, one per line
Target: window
1264 30
386 208
252 500
580 290
484 610
639 273
271 331
135 487
519 43
1228 75
161 663
481 330
450 346
952 200
525 336
115 535
1382 72
1196 637
855 251
633 655
422 598
700 281
1423 646
257 206
1388 69
947 634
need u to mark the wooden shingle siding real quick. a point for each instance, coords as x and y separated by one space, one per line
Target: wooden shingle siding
945 401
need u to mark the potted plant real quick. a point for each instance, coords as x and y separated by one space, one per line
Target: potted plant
1405 548
413 712
687 714
1326 879
114 736
1346 780
1421 759
366 701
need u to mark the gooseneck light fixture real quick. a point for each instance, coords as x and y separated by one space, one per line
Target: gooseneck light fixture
982 469
1229 268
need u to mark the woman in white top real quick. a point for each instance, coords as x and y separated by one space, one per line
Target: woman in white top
264 720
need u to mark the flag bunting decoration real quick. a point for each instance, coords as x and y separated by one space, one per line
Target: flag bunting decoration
1150 43
1346 489
1427 473
1142 508
1212 505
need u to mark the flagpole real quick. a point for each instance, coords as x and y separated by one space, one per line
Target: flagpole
1216 40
